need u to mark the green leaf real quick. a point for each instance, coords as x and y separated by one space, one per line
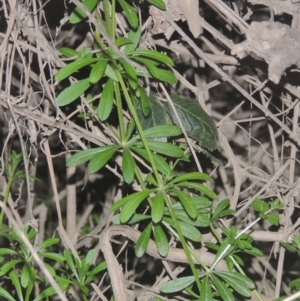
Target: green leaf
135 219
157 207
201 220
121 41
160 4
273 219
143 241
134 36
136 197
68 52
7 251
177 285
128 166
54 256
157 116
16 283
111 73
200 188
192 176
98 161
195 121
160 163
164 148
151 66
188 231
129 209
6 294
88 154
71 263
25 275
186 202
239 282
98 71
131 74
90 256
106 100
73 92
99 268
222 289
221 250
78 15
201 202
73 67
260 206
154 55
167 76
8 266
165 130
205 291
145 102
130 14
47 243
220 208
161 241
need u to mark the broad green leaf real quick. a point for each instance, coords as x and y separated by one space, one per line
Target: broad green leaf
48 292
16 283
143 241
205 291
186 202
78 15
289 247
47 243
73 92
201 221
128 166
188 231
131 74
200 188
98 161
157 116
90 256
130 14
106 100
121 41
99 268
136 197
192 176
273 219
129 208
25 275
161 241
197 123
8 266
145 102
167 76
68 52
6 294
71 263
154 55
111 73
224 250
165 130
160 163
7 251
31 283
98 70
73 67
239 282
157 207
134 36
54 256
135 219
151 66
201 202
177 285
222 289
159 3
254 252
164 148
88 154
